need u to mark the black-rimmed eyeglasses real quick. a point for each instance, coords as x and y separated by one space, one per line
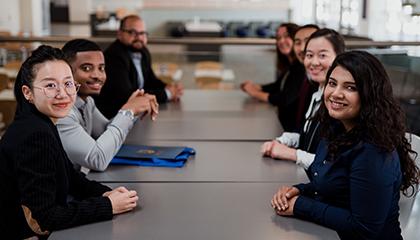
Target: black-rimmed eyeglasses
134 33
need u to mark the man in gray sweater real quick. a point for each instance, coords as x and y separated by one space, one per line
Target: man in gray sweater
89 138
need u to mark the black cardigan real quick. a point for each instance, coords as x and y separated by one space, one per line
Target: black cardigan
122 79
291 101
35 172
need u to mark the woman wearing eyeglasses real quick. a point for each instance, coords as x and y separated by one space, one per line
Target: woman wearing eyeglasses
41 192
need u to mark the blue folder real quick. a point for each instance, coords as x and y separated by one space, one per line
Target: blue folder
152 156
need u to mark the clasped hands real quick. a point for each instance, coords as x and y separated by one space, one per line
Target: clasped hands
122 199
142 103
283 202
176 90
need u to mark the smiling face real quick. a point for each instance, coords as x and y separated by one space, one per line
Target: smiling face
284 41
89 70
299 42
51 74
342 98
318 58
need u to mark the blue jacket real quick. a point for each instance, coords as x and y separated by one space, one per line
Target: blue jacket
355 194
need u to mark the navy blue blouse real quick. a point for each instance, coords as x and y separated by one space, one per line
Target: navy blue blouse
356 194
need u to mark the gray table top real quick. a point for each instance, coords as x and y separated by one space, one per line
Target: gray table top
410 217
179 211
214 161
211 115
234 128
213 100
235 211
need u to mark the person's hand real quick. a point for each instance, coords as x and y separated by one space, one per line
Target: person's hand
154 106
277 150
289 210
267 147
118 189
250 89
142 103
244 84
281 201
176 90
248 84
122 199
281 151
179 90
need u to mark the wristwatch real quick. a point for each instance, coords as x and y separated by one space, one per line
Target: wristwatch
127 112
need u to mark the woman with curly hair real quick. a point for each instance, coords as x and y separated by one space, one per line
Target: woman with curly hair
362 162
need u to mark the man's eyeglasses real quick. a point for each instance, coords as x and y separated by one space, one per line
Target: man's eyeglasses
53 89
134 33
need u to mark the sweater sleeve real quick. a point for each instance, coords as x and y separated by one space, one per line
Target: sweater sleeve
271 87
289 139
372 180
305 189
81 188
94 153
304 159
39 164
292 81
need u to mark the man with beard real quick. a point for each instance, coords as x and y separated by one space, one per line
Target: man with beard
128 67
89 139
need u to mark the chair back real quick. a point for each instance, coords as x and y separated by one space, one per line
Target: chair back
208 74
168 72
4 81
408 205
415 145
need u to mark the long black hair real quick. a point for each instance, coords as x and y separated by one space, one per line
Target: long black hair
283 62
28 71
381 120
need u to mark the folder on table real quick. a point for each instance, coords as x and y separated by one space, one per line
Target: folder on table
157 156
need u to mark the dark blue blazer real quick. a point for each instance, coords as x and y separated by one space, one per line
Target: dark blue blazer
355 194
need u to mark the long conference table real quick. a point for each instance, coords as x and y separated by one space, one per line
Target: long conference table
224 191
